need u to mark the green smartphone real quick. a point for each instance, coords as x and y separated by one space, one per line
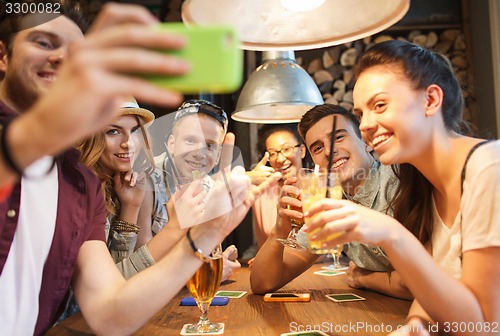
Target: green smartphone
215 57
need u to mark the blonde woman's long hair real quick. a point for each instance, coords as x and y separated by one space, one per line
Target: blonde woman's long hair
91 151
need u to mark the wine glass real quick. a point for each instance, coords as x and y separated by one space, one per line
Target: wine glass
203 285
291 240
336 252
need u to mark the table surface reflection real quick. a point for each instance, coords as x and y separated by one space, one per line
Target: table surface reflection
250 315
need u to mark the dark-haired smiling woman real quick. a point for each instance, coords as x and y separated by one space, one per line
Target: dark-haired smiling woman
410 105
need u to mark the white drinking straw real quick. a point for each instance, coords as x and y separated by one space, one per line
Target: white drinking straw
316 169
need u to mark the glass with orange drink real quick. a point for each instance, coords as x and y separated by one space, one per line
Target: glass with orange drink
313 187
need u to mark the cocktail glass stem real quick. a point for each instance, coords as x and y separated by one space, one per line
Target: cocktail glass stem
295 230
291 240
336 261
203 323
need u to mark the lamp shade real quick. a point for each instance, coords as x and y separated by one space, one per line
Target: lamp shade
278 91
289 25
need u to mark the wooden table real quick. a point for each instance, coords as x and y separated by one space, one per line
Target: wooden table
250 315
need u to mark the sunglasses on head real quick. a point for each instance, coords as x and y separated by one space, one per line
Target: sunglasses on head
202 106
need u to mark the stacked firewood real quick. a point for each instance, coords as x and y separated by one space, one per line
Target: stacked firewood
332 68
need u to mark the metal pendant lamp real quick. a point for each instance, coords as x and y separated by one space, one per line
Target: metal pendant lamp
278 91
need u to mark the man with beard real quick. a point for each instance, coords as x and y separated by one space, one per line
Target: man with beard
364 180
52 224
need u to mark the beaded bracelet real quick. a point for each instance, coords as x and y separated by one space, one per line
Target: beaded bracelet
124 226
197 252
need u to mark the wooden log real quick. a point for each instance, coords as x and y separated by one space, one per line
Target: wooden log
338 95
327 60
413 33
314 66
459 61
348 76
420 40
382 38
432 39
449 35
325 87
347 97
339 85
348 57
443 47
331 100
322 76
459 43
336 71
335 54
348 106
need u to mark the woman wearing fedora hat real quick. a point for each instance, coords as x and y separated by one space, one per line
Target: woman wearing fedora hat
119 155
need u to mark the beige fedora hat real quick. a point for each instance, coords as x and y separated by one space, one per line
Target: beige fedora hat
130 106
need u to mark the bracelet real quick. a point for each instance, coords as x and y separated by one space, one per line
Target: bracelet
124 226
197 252
5 152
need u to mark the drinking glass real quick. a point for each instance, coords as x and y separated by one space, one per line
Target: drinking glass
291 240
313 187
336 252
203 285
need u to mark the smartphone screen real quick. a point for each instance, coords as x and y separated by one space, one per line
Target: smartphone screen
287 297
284 295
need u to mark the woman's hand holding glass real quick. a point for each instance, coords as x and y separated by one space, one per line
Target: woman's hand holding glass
290 209
333 222
315 185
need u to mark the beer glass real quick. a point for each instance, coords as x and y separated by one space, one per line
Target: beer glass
203 285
